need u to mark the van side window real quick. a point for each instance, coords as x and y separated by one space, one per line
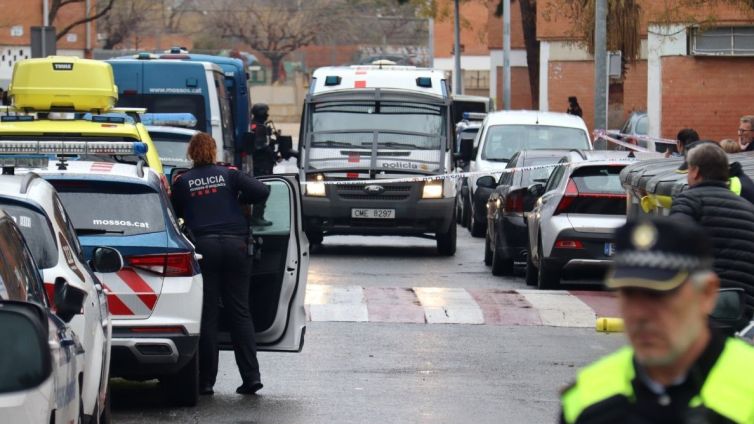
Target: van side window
225 112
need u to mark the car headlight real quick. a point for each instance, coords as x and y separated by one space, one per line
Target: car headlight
432 190
316 188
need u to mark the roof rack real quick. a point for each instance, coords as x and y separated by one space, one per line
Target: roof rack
26 181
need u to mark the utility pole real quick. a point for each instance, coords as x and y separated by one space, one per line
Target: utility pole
431 44
457 52
600 64
45 24
506 54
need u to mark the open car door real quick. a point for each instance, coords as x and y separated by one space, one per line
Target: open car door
278 284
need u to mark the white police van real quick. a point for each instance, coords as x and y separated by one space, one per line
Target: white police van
364 124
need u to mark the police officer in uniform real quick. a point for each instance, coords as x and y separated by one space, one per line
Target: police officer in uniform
677 369
262 153
209 197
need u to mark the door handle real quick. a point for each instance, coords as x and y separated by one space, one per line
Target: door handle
289 269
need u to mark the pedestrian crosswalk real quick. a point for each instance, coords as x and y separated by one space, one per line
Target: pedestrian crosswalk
442 305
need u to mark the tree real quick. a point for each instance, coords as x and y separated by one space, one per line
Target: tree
274 29
123 20
56 5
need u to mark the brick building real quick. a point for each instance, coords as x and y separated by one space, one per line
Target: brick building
15 32
684 77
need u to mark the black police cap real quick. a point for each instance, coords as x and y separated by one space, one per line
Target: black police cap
659 253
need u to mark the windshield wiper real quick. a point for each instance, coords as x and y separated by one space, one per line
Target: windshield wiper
396 144
497 159
331 143
91 231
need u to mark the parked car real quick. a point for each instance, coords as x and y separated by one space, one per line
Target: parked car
507 238
42 360
571 225
465 130
35 206
505 133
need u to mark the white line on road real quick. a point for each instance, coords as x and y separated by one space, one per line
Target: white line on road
449 306
559 308
330 303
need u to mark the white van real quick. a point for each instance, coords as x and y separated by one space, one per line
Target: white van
504 134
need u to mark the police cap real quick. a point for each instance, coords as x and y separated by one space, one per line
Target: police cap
659 253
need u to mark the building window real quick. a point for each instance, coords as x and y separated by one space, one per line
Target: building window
476 80
723 41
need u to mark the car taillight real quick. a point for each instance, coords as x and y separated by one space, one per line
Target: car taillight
572 193
514 202
167 265
569 244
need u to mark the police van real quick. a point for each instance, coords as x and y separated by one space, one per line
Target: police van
171 86
70 99
365 125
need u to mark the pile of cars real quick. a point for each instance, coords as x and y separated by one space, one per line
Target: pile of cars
97 279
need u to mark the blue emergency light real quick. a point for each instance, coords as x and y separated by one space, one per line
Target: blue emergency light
35 147
17 118
425 82
332 80
187 120
474 116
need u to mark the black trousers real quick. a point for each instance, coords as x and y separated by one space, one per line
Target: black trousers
226 270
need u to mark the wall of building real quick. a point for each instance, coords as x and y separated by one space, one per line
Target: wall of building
520 90
712 101
475 14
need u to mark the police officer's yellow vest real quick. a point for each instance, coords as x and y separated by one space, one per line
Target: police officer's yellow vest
728 390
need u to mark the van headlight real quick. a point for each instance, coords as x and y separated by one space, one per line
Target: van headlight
432 190
316 188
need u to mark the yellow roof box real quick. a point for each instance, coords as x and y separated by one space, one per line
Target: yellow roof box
63 83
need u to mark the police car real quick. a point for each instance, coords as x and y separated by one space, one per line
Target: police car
36 208
41 361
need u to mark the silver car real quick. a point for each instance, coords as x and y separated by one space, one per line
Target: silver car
572 223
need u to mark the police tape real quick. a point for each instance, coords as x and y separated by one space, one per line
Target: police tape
611 136
458 175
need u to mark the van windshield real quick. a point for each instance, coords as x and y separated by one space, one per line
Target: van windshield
504 141
401 125
170 103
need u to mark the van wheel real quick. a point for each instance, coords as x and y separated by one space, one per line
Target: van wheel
531 271
549 275
183 388
466 215
476 228
446 242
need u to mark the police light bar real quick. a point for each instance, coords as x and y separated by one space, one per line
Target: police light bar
22 161
474 116
33 147
169 119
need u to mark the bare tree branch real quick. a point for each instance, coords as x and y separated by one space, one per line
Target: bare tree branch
56 5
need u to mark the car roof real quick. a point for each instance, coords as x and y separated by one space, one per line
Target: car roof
171 130
101 171
544 153
533 117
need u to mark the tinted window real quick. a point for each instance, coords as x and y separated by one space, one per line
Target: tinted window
172 148
503 141
459 107
166 103
598 179
642 127
105 207
538 175
21 360
556 176
17 269
37 231
225 114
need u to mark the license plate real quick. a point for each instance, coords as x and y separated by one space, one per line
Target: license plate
609 249
373 213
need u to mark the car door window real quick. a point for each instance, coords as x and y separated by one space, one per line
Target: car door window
557 175
66 227
19 271
642 127
508 177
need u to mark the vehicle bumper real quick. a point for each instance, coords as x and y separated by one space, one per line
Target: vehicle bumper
151 355
592 255
412 217
515 238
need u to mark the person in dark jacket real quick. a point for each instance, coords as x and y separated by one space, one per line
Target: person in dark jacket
727 217
208 197
739 183
573 106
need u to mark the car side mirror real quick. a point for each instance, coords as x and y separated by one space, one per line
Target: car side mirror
486 182
106 260
536 190
68 300
728 314
466 150
24 330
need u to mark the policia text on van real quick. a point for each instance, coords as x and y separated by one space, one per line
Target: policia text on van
372 123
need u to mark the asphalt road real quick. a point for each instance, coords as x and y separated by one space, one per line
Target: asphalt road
394 372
